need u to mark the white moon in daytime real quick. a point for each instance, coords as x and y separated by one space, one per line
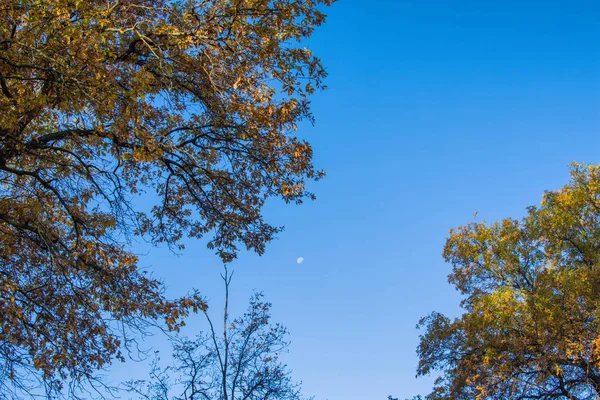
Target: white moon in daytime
300 260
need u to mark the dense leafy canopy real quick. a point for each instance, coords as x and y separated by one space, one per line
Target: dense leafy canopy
189 102
531 326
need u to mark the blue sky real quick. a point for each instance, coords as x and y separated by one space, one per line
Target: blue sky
435 109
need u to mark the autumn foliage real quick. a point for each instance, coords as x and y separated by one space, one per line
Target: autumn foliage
531 322
189 103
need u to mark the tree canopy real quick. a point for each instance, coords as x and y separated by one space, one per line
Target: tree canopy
191 103
530 327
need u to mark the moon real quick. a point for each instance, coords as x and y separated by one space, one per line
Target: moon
300 260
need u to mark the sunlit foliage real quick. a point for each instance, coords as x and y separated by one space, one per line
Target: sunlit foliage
191 103
530 328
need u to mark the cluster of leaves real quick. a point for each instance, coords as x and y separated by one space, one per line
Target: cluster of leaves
191 102
531 326
241 362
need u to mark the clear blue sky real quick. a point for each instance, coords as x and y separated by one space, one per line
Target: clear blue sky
435 109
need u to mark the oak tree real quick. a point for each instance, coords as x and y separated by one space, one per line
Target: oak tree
531 322
191 103
236 359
